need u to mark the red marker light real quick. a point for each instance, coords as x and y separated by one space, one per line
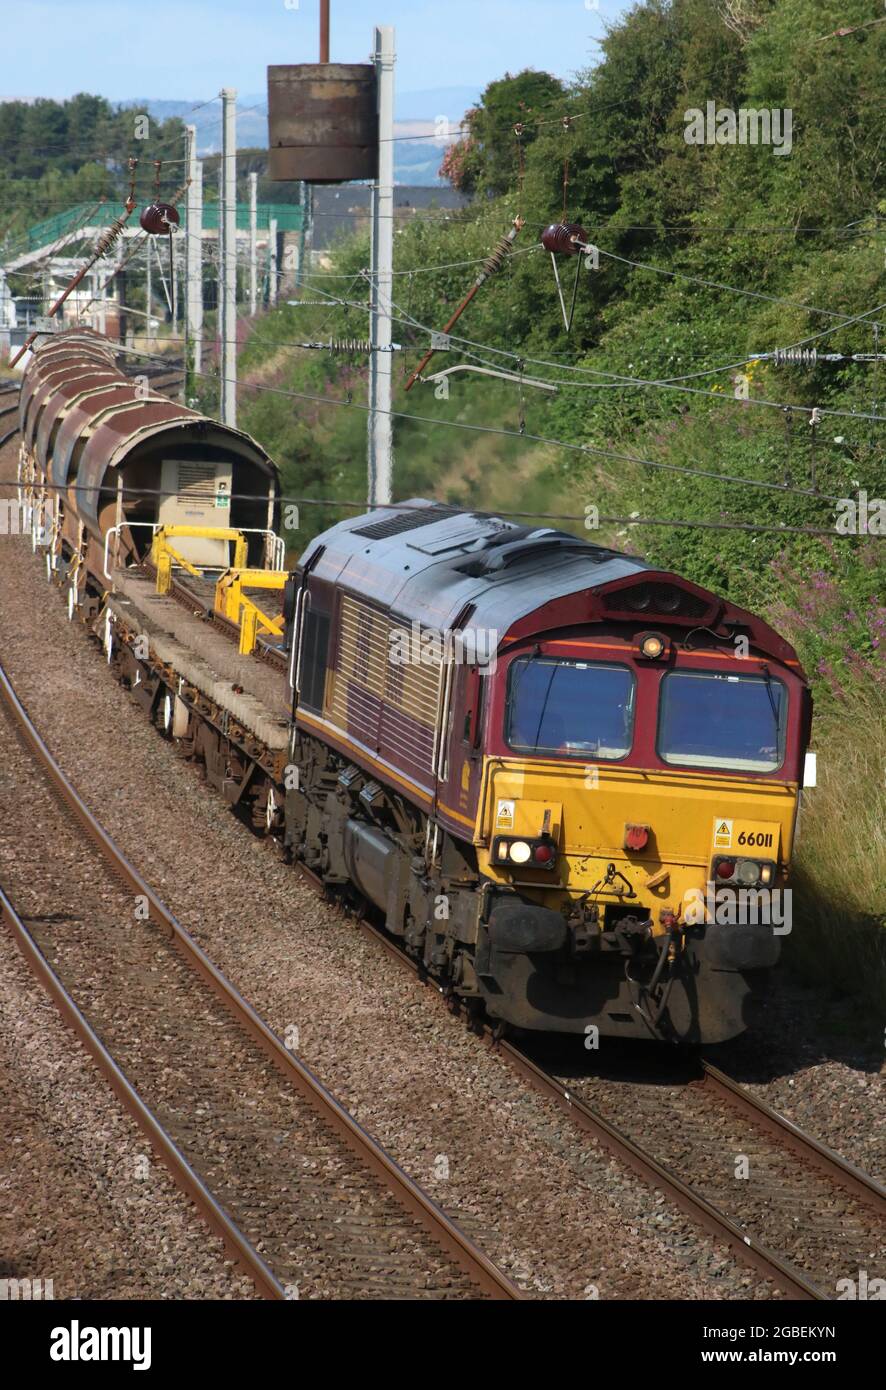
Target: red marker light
636 836
725 868
543 854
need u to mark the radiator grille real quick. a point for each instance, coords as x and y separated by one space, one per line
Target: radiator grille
655 601
378 699
196 482
403 521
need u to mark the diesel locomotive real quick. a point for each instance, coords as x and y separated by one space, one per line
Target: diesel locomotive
537 756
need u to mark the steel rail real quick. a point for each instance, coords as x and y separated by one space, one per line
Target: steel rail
811 1150
704 1213
477 1265
235 1242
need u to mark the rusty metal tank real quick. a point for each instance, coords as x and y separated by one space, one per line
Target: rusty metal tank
322 122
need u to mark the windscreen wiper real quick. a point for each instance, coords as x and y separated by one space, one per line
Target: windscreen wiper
775 715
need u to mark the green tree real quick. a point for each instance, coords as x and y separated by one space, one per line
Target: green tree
485 160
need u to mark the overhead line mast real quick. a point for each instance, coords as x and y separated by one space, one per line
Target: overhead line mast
380 453
228 221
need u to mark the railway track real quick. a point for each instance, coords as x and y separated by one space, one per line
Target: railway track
789 1172
803 1218
303 1197
779 1189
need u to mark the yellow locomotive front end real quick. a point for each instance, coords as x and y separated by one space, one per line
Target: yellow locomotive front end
635 825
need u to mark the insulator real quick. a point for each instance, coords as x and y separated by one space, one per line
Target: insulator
349 345
496 260
795 357
157 217
564 238
109 236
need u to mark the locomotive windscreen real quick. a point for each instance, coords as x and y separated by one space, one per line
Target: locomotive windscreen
713 720
570 707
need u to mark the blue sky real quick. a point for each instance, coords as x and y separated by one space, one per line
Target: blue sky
187 49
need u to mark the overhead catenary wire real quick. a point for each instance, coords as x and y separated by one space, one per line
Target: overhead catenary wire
361 506
616 381
586 449
620 381
456 213
589 450
664 381
672 383
717 285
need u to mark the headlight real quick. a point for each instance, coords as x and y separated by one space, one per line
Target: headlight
748 872
538 853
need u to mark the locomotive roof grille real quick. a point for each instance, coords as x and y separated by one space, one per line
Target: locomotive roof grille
524 545
403 521
663 600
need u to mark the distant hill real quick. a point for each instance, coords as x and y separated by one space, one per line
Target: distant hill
416 161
